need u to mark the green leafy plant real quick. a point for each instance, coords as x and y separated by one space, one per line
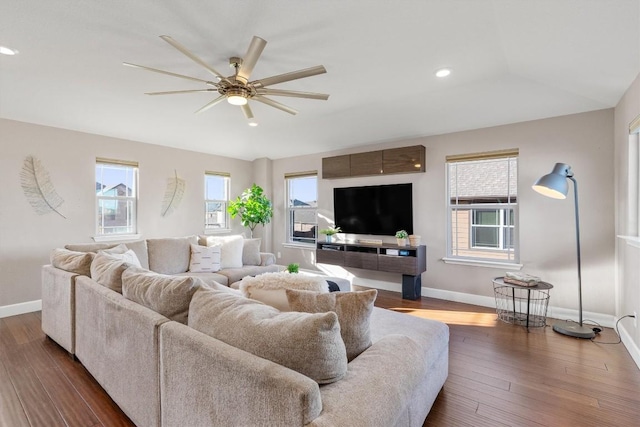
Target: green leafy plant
253 207
293 268
402 234
330 231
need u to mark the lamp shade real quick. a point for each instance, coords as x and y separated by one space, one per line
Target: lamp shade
554 184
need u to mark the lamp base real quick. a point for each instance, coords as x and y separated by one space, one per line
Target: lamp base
573 329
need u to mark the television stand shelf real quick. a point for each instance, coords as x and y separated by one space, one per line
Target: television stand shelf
410 261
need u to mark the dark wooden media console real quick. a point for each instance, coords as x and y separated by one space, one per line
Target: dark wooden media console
410 261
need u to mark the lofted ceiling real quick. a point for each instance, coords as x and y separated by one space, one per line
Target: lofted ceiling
511 61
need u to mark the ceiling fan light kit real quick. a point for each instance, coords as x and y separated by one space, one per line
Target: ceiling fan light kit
237 89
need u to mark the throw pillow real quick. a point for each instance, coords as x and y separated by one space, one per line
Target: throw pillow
107 269
72 261
167 295
171 255
269 288
204 259
251 252
231 248
307 343
353 309
125 254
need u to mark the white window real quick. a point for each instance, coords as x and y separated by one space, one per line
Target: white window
482 204
116 197
302 204
633 221
216 199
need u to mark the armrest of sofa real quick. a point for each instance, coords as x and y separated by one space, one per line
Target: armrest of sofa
378 387
207 382
58 306
267 258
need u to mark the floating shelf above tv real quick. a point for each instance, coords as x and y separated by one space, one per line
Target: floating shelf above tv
382 162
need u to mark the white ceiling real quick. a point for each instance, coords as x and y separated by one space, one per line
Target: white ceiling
512 61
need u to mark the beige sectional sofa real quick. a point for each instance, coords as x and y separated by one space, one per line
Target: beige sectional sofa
165 373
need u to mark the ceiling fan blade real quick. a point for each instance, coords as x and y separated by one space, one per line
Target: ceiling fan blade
293 93
250 58
275 104
168 73
247 111
211 104
173 92
193 57
293 75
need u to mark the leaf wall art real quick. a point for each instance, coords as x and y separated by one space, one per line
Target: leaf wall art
173 194
38 189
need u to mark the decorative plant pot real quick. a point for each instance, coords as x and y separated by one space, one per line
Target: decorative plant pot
414 240
402 242
329 238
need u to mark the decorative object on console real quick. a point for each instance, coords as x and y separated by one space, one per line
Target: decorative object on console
38 189
329 233
402 237
253 207
237 89
173 194
555 185
414 240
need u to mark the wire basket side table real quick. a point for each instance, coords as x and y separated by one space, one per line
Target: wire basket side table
522 305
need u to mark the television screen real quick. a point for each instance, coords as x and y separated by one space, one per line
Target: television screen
379 209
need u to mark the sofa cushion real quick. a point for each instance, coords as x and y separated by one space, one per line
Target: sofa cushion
304 342
72 261
269 288
170 255
207 278
90 247
204 259
122 252
167 295
231 248
107 269
251 252
140 248
353 309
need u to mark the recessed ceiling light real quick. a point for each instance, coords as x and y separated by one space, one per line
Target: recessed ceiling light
443 72
8 51
253 124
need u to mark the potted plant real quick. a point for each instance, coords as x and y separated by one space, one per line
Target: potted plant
330 232
253 207
293 268
402 237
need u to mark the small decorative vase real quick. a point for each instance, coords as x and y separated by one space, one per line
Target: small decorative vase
414 240
329 238
402 242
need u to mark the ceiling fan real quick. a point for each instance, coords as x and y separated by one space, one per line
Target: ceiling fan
237 89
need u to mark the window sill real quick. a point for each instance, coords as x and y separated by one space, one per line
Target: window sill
217 231
631 240
117 237
481 263
311 247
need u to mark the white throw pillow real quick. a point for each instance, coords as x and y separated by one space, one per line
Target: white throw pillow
231 248
205 259
269 288
123 254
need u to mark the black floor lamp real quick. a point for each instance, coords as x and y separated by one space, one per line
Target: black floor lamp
555 185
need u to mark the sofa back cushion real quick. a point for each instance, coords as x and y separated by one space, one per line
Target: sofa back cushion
170 255
138 246
72 261
353 309
166 295
251 252
107 269
204 259
307 343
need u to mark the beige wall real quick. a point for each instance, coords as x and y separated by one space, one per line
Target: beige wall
547 232
627 256
26 238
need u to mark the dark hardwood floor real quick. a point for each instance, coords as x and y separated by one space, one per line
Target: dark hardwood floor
499 375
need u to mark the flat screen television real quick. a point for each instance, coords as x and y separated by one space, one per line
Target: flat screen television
376 209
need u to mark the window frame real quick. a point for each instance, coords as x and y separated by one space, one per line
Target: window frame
291 211
132 200
486 256
225 203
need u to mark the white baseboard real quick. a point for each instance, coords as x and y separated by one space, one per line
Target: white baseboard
21 308
631 346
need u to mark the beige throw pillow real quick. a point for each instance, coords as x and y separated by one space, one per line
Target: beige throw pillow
72 261
107 269
251 252
204 259
307 343
353 309
167 295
